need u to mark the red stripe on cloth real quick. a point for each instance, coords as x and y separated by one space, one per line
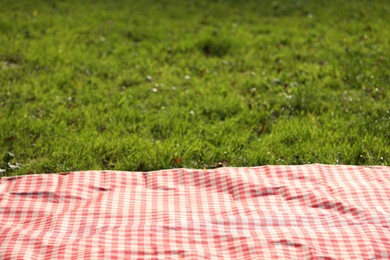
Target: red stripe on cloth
268 212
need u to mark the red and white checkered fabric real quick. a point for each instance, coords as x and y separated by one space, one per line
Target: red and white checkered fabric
270 212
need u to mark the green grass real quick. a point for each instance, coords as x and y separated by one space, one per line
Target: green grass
146 85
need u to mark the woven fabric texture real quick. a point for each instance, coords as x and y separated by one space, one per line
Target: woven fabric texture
268 212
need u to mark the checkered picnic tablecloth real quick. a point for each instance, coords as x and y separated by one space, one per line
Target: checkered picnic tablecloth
269 212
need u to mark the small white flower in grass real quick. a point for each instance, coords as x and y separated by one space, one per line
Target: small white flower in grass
149 78
154 90
14 166
192 112
277 81
187 77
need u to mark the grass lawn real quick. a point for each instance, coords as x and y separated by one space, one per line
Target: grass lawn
146 85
